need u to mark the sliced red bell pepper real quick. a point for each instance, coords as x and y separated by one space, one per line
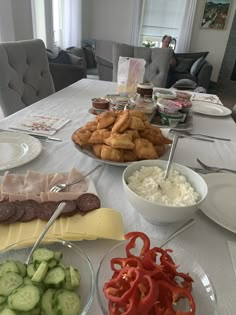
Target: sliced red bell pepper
176 293
120 288
132 236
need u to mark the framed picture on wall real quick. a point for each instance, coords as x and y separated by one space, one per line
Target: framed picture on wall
215 14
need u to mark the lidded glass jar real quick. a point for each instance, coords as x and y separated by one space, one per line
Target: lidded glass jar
145 90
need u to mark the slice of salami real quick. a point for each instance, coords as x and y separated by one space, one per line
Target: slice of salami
19 212
88 202
70 208
30 208
47 209
7 209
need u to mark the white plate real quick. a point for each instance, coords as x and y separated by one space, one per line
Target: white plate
88 152
221 199
210 109
17 149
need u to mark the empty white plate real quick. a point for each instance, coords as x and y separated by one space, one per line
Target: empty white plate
221 199
17 149
210 109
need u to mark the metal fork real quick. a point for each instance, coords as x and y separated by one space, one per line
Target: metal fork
203 135
60 187
214 168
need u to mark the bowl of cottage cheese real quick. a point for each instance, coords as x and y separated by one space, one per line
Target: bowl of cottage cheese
161 201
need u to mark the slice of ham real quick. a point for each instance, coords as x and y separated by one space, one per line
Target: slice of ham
15 197
12 183
34 183
58 178
33 197
73 176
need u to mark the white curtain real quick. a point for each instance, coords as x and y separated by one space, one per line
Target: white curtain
185 31
72 23
136 21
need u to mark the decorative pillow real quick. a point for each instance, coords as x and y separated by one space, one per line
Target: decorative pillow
183 65
62 57
196 67
76 60
185 84
89 56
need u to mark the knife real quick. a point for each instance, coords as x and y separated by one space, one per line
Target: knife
40 137
196 138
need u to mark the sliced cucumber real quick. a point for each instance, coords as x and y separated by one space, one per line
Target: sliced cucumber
21 267
7 311
42 254
75 277
8 266
67 303
26 298
58 256
9 282
2 299
52 263
40 273
47 302
55 276
31 270
67 284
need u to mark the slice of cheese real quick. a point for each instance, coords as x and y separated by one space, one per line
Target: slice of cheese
4 231
100 223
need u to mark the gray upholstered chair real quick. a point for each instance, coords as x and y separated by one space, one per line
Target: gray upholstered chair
24 74
157 61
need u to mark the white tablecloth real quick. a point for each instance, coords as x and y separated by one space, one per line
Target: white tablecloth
205 241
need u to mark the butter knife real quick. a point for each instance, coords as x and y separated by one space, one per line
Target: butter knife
40 137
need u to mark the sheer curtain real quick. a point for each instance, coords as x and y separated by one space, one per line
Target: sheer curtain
185 31
72 23
58 22
136 21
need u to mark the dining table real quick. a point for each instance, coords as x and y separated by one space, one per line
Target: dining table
205 242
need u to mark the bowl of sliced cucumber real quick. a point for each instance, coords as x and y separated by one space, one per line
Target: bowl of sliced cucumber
58 280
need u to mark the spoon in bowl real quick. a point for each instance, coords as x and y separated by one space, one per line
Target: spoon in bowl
171 155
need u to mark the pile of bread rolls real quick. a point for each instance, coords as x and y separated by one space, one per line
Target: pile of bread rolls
121 136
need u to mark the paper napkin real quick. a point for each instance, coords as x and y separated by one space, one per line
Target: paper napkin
232 250
40 124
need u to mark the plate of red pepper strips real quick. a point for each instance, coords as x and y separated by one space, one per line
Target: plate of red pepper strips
136 277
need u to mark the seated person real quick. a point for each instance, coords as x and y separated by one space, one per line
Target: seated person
166 40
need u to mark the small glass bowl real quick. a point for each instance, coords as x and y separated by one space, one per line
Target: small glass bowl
203 291
72 256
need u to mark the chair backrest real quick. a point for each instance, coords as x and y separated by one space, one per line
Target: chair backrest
157 61
24 74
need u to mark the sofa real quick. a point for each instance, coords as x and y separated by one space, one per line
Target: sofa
191 70
65 68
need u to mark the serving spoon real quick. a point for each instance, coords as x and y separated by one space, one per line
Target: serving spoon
55 215
171 155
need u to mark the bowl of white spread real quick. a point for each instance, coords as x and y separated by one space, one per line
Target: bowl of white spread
162 201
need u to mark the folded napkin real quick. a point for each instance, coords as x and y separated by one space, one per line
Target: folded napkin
103 223
232 250
40 124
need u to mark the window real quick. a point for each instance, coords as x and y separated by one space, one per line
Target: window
161 17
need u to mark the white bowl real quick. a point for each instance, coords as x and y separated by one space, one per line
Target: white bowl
161 214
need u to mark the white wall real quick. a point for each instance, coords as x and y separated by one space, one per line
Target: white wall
6 21
214 41
108 19
21 11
